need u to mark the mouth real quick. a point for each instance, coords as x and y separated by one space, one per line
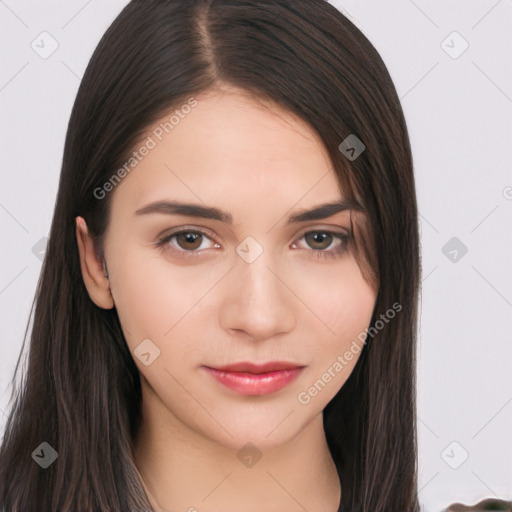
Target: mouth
252 379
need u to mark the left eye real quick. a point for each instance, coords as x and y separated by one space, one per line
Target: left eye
325 243
321 240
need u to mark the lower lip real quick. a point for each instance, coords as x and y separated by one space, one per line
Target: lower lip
255 384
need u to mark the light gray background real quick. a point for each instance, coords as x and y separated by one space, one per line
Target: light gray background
459 113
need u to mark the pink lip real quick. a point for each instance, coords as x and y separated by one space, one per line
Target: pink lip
251 379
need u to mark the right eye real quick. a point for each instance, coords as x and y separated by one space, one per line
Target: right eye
186 241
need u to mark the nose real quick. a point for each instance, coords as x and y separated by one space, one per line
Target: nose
257 302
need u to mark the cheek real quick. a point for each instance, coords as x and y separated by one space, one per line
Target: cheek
345 305
165 302
160 301
341 300
143 298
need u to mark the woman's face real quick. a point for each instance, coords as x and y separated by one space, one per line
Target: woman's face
254 286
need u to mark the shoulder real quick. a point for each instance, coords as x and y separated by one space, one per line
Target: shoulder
482 506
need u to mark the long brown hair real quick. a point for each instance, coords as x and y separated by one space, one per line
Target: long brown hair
81 391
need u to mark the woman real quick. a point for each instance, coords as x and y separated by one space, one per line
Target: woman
226 314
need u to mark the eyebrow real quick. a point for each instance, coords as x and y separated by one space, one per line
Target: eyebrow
319 212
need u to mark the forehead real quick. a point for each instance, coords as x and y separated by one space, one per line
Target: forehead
230 144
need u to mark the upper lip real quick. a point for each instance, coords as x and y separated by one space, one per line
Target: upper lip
247 367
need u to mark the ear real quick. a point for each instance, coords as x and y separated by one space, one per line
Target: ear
93 272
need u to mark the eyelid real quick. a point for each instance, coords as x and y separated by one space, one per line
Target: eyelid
337 230
181 229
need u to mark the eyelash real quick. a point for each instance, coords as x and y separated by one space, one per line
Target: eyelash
318 253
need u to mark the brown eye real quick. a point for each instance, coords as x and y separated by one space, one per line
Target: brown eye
319 240
324 243
189 240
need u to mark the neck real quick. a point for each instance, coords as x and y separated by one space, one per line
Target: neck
182 470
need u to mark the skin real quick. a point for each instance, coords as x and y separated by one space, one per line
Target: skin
214 308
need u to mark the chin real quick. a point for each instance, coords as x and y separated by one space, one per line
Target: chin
263 431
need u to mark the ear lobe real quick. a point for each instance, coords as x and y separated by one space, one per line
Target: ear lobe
93 272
